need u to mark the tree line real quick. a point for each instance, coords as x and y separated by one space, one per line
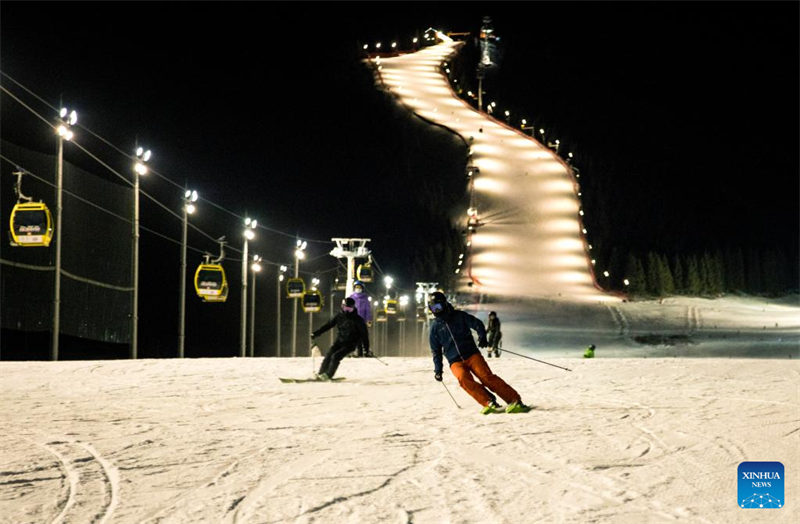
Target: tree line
756 271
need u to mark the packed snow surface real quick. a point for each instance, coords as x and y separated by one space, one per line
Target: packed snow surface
223 440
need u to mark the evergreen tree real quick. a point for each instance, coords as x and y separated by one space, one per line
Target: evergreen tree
753 271
678 276
734 270
667 282
774 272
653 274
694 284
634 272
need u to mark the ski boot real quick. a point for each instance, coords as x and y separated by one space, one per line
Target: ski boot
517 407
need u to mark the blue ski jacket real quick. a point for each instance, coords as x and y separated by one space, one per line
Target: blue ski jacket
451 334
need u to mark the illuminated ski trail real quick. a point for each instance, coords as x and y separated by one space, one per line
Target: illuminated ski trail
530 243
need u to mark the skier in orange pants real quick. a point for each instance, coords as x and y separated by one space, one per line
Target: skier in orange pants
451 335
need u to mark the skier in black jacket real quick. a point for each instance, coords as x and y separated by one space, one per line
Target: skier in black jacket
351 329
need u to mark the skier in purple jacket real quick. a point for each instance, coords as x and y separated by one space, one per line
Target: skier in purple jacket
364 308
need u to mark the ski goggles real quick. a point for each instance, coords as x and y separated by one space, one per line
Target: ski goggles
436 307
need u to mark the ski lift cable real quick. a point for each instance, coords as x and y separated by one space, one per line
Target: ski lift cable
29 91
127 155
104 210
107 167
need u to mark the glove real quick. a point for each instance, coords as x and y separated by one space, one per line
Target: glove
483 343
437 376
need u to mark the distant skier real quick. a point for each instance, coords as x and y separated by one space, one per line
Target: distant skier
351 331
451 334
495 335
364 308
589 352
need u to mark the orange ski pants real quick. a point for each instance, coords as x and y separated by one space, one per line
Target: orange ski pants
476 365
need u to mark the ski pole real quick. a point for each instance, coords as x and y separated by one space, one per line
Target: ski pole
536 359
451 395
379 360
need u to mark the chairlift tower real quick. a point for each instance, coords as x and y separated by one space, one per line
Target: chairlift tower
350 248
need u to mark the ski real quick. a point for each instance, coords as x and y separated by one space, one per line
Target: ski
297 380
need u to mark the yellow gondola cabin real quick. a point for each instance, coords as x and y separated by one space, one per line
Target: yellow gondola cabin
364 272
391 307
31 225
210 283
295 287
312 301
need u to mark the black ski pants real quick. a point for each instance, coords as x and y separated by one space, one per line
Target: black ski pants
335 354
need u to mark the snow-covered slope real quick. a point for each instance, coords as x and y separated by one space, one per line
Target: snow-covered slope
530 241
222 440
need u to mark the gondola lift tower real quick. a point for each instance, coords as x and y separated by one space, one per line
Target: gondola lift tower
350 248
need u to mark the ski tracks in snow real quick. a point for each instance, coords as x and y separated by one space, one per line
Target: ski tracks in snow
619 319
90 483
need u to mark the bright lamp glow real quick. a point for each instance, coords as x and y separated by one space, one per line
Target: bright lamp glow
140 168
249 234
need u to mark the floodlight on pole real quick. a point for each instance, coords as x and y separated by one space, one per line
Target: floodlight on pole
255 267
299 254
139 169
248 234
64 133
281 272
189 198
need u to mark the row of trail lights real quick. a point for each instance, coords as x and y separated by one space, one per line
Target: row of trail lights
540 135
392 47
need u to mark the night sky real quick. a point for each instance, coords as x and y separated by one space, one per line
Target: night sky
688 110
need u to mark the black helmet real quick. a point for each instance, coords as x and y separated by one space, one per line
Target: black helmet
358 283
348 305
438 303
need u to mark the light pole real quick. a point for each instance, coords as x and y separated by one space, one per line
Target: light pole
314 284
139 169
256 267
299 254
189 198
249 234
403 303
64 133
387 281
525 127
281 277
